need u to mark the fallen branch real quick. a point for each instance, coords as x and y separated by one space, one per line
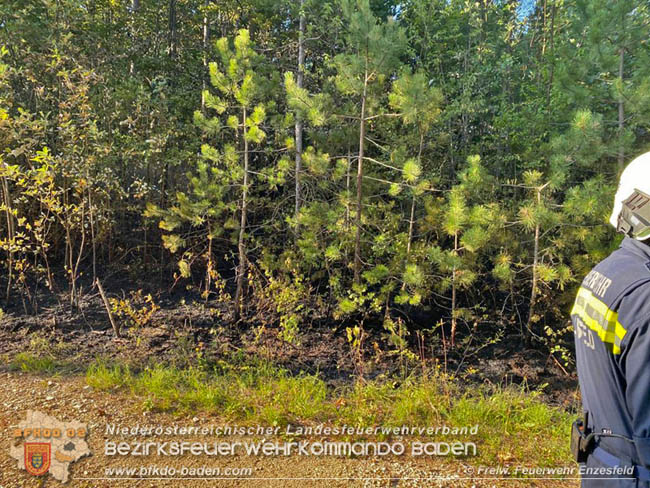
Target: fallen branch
116 328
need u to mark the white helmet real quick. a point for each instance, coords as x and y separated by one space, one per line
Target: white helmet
636 176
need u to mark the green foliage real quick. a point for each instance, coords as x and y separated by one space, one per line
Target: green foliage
137 310
417 101
287 298
492 145
309 107
373 47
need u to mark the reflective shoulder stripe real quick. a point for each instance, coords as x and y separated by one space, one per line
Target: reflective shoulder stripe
599 318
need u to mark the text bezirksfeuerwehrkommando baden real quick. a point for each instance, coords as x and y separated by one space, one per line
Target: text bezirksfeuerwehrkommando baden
300 448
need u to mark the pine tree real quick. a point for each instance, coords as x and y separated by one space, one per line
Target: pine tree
239 88
307 108
472 225
371 54
223 178
419 106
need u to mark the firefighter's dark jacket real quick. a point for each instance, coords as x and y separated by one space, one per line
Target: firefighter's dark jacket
611 320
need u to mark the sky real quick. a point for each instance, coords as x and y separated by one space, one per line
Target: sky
525 8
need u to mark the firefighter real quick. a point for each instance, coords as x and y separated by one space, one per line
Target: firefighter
611 322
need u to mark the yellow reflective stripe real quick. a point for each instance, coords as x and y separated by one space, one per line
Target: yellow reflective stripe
599 318
617 341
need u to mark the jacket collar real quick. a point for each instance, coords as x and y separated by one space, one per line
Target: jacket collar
637 247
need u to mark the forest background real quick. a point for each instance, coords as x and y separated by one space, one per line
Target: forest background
436 174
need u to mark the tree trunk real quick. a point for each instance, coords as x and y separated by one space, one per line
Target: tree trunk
533 291
621 113
172 28
241 272
208 274
362 137
464 116
347 192
135 6
454 322
206 37
10 234
75 270
299 124
552 63
92 233
412 219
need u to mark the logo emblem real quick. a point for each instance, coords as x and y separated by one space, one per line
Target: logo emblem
37 457
45 445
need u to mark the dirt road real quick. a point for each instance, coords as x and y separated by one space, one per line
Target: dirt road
69 398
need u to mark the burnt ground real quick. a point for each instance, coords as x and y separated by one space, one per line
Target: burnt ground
180 333
183 329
